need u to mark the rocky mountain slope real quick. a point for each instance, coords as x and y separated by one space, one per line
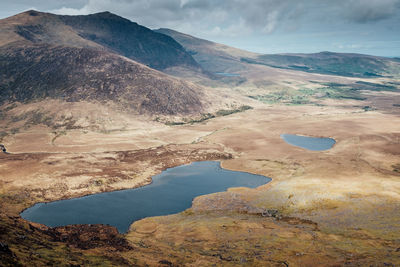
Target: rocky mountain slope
76 74
78 58
104 30
129 39
213 57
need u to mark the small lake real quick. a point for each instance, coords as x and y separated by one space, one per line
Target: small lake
227 74
310 143
171 192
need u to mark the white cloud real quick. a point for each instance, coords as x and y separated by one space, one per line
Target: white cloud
272 22
71 11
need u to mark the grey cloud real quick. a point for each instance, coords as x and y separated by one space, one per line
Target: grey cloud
260 24
364 11
264 16
258 15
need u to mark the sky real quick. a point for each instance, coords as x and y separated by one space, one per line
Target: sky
263 26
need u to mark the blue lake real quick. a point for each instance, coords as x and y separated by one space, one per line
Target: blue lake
172 191
310 143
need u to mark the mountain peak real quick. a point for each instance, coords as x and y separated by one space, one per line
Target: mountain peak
107 15
104 15
99 30
33 12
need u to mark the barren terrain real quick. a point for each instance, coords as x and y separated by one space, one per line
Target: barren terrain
117 128
339 206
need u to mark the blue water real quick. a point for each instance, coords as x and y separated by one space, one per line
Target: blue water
227 74
172 191
310 143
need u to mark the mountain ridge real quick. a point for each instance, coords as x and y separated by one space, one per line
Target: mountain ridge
42 56
221 57
102 30
213 57
331 63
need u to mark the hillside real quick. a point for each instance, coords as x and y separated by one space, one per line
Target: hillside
352 65
75 74
216 57
129 39
102 31
44 55
213 57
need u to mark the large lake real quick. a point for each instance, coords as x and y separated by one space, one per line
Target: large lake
172 191
310 143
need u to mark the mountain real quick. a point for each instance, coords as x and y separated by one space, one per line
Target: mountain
102 30
75 74
131 40
97 57
213 57
216 57
343 64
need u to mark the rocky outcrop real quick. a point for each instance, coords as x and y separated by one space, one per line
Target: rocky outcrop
7 257
89 236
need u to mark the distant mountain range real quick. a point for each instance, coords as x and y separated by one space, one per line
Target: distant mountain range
216 57
342 64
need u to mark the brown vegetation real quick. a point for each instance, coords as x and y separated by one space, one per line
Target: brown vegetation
322 208
47 56
335 207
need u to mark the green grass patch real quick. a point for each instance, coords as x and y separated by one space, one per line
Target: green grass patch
368 108
289 97
396 168
2 135
207 116
58 134
341 93
306 96
226 112
34 118
375 86
14 130
174 123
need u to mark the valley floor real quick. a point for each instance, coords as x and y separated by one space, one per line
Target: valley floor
335 207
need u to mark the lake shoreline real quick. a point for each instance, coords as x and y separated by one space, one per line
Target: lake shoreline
187 181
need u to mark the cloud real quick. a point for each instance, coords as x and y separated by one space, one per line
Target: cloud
267 25
227 18
364 11
272 21
350 46
71 11
231 17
